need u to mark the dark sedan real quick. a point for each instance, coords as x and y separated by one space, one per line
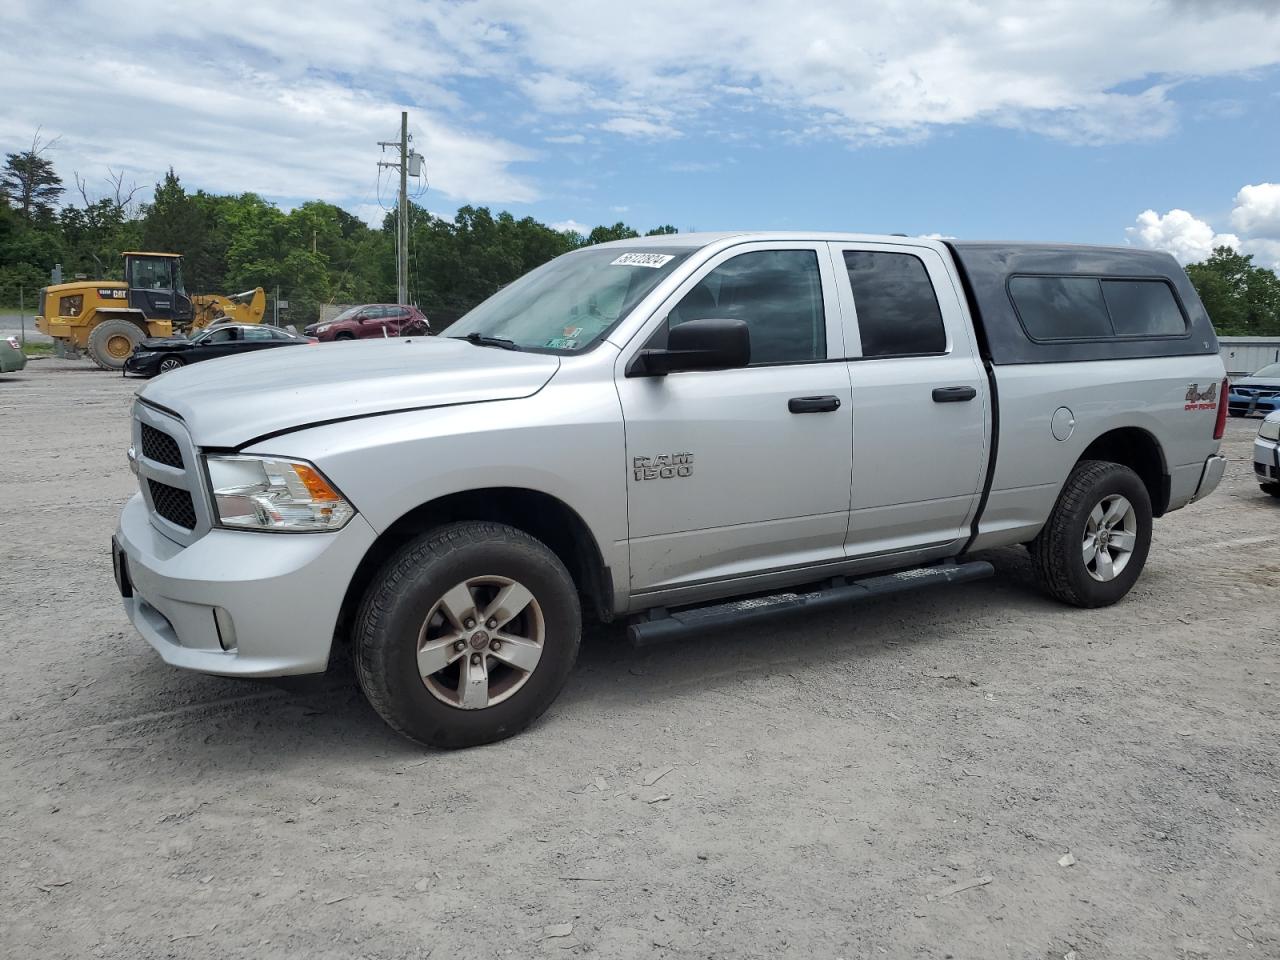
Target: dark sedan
159 356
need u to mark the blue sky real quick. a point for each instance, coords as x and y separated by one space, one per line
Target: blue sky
1144 121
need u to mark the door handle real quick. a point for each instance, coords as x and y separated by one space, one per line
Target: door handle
953 394
813 404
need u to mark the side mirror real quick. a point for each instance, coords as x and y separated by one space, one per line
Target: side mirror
707 344
361 319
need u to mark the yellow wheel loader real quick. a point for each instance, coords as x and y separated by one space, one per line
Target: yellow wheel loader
108 318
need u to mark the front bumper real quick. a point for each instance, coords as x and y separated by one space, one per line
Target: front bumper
147 366
272 598
1250 405
1266 460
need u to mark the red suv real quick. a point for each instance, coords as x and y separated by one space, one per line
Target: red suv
372 320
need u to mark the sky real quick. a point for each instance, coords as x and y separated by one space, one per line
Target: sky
1150 122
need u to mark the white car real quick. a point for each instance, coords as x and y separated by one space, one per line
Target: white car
1266 454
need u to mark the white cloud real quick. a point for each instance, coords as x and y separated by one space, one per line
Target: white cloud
1265 252
571 226
1177 232
640 128
1257 210
1088 71
249 98
567 138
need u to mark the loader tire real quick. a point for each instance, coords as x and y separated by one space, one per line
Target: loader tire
111 342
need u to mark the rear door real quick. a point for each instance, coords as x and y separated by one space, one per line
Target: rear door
920 399
735 473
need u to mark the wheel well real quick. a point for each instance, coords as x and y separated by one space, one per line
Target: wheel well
540 515
1138 450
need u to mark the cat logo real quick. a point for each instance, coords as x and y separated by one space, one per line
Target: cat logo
1198 399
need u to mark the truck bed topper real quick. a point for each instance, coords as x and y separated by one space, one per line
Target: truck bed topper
988 268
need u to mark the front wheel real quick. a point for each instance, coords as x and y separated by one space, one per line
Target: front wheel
467 634
1272 488
170 363
1096 541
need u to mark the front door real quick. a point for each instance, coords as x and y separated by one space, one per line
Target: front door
920 400
735 473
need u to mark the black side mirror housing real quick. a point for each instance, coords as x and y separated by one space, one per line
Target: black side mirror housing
707 344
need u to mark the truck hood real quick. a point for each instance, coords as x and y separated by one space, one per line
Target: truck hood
230 401
1256 382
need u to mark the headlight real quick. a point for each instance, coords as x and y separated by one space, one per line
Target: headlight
1270 429
323 327
270 493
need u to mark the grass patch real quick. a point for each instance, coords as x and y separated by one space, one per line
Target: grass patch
38 349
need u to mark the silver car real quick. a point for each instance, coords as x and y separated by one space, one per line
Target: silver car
1266 454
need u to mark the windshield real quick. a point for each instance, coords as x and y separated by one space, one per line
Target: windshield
570 303
1271 370
345 315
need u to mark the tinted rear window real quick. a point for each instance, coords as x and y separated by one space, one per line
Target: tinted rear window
897 309
1095 308
1061 308
1143 308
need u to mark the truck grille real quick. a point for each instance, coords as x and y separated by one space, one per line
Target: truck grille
168 466
160 447
173 504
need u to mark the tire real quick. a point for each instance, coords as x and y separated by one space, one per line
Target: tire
107 343
171 363
344 336
419 600
1059 552
1271 488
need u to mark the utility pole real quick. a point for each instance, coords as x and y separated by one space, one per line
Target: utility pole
402 210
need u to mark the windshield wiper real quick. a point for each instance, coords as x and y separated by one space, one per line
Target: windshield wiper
480 340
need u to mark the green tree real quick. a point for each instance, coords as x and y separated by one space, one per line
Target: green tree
29 182
1242 299
619 231
663 230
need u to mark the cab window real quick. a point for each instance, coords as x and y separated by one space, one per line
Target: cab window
149 274
898 313
776 293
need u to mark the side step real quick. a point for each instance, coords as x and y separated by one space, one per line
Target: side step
662 625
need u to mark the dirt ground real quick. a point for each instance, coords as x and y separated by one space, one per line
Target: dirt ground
902 780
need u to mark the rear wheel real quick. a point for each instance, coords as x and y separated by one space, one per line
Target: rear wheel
1095 543
111 342
467 634
1271 488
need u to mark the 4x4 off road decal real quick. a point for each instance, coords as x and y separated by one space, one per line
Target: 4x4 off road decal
1201 400
665 466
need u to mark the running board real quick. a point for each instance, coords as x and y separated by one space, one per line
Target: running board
661 625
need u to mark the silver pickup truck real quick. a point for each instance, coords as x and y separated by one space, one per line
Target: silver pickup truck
685 432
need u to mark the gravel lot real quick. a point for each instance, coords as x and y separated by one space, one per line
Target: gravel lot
834 788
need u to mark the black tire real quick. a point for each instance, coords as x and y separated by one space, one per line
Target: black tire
170 363
104 338
1057 552
344 336
1272 488
403 594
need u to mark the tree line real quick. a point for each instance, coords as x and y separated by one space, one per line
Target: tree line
318 253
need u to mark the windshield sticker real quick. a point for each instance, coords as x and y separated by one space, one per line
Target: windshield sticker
572 331
562 343
654 260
